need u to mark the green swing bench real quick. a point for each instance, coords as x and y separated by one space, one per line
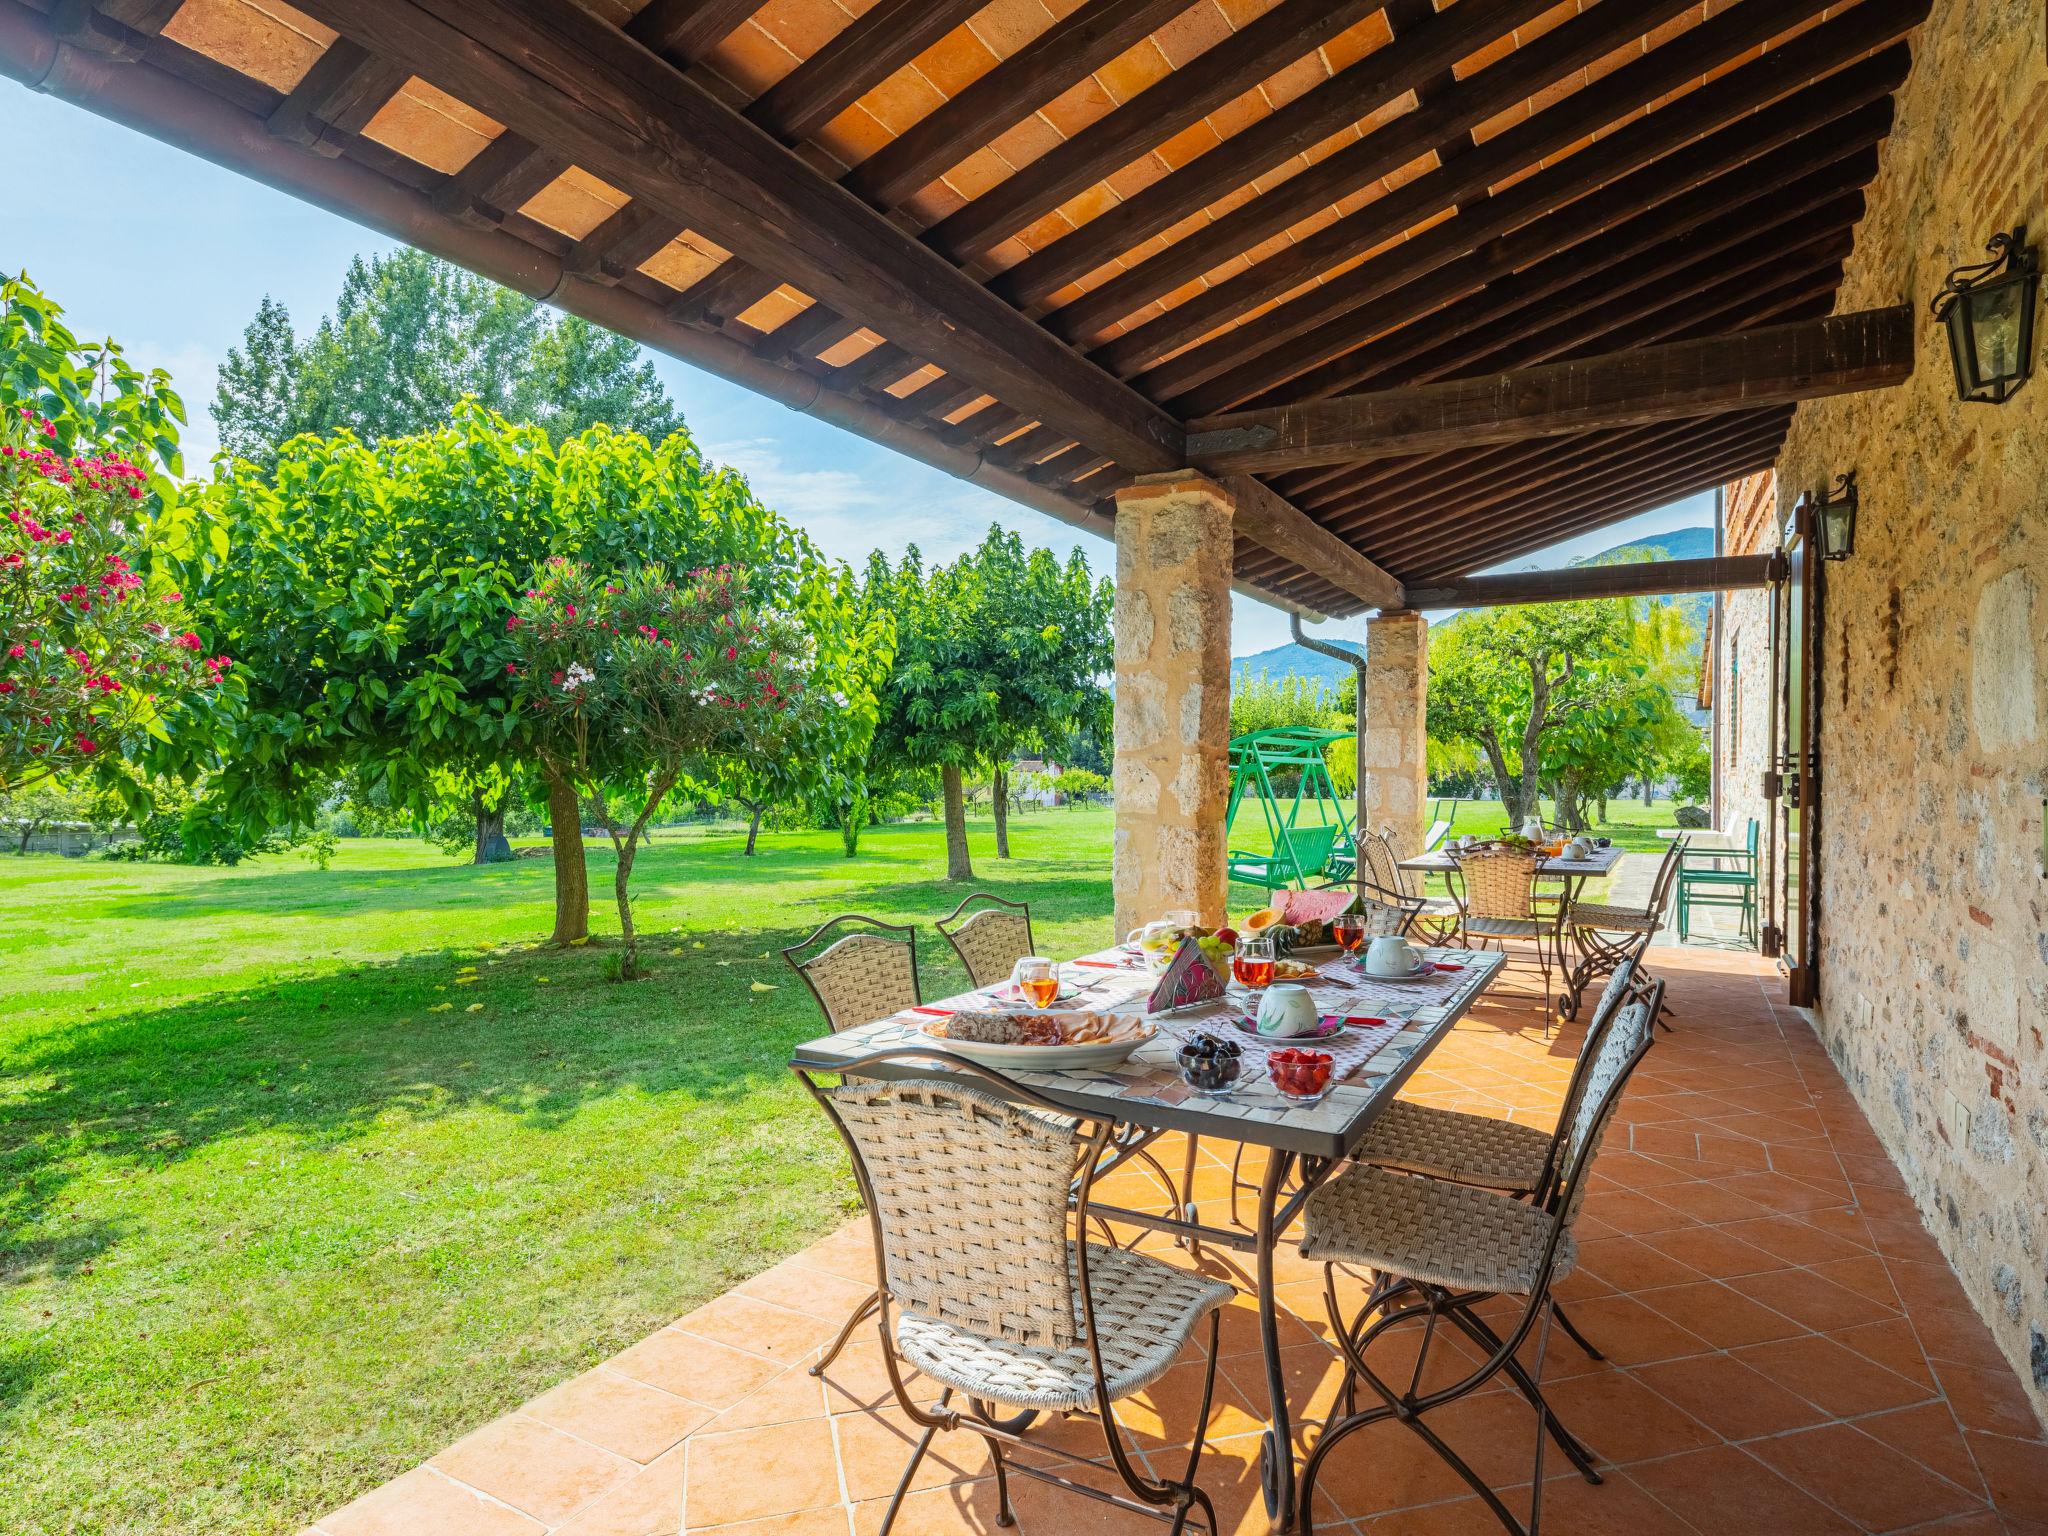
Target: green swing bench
1301 854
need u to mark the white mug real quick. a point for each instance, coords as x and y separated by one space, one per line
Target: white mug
1287 1012
1391 955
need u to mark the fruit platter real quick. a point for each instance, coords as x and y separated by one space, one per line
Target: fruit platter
1050 1041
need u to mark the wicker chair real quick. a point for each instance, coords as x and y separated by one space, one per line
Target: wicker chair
857 977
968 1186
991 941
1605 934
1496 894
1440 1251
862 976
1438 922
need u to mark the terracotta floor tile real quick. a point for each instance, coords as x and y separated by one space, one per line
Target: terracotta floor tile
1710 1202
1811 1299
649 1503
795 1394
1621 1420
1892 1344
424 1503
1831 1376
618 1413
812 1522
1929 1435
875 1447
1734 1401
760 1328
1630 1264
2016 1472
753 1473
1722 1489
962 1509
548 1474
1627 1332
1637 1212
806 1290
1922 1286
1958 1336
1863 1478
695 1368
1720 1314
1387 1466
1992 1400
1715 1252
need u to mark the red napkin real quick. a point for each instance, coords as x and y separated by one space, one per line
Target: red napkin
1447 965
1104 965
944 1013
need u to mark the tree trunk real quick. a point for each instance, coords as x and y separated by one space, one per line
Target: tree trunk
1649 792
1603 807
491 846
753 826
999 796
629 945
27 835
958 865
572 876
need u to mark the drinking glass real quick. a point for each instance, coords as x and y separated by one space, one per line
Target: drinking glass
1252 965
1348 929
1038 979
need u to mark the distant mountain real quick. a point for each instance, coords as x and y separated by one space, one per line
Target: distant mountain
1679 544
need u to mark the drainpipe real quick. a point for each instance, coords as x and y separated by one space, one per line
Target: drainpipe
1719 637
1357 662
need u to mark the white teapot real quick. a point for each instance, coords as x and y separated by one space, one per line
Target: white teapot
1391 955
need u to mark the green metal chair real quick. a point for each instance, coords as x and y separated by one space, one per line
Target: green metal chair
1719 877
1299 855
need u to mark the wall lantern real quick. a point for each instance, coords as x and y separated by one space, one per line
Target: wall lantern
1834 518
1988 309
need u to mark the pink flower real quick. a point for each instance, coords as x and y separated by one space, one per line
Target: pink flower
187 641
514 622
86 744
17 650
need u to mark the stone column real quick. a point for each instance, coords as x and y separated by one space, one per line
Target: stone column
1172 772
1393 777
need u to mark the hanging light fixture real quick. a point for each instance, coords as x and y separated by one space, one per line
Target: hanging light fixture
1834 518
1988 309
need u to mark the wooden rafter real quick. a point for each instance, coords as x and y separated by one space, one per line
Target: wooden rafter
1723 573
1867 350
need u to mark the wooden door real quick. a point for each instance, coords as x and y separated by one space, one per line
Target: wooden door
1791 893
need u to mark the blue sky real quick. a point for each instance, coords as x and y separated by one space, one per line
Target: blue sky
169 254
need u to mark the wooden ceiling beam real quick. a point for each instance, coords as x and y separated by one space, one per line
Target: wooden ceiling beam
1534 67
1719 215
1230 67
1059 58
1673 476
613 250
502 177
1870 349
1587 583
335 100
687 30
560 76
1417 54
1627 149
1268 519
864 53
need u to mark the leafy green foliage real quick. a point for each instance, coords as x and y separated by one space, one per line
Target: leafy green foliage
1262 703
410 337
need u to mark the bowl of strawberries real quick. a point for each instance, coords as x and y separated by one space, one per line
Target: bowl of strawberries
1303 1076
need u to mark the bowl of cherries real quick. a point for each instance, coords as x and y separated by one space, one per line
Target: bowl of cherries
1209 1064
1299 1074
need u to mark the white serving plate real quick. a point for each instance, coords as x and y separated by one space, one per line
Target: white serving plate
1046 1058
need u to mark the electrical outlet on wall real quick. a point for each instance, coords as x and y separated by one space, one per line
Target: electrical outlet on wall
1955 1116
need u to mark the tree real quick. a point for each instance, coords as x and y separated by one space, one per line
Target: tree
94 673
44 804
369 586
1048 626
411 336
631 679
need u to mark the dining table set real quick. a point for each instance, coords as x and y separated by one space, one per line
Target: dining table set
1376 1031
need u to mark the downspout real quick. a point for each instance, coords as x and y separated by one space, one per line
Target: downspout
1357 661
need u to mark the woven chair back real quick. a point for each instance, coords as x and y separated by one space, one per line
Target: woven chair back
1621 1046
970 1194
1386 918
990 944
1376 858
1667 872
1499 882
1406 881
862 978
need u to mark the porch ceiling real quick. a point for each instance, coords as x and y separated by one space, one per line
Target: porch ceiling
1028 240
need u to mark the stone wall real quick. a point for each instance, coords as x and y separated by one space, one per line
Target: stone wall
1172 767
1393 782
1934 742
1742 684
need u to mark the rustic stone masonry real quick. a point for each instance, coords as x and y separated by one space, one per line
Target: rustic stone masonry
1392 754
1934 956
1172 769
1742 690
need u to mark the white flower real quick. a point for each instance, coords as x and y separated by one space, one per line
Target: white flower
576 677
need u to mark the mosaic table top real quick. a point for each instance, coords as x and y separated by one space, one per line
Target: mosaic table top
1602 861
1147 1089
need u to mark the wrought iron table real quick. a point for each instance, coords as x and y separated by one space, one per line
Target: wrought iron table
1146 1095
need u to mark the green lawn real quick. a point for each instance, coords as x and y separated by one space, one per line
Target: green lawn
303 1174
281 1215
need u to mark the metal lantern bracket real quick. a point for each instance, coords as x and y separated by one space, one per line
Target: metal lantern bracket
1834 518
2001 291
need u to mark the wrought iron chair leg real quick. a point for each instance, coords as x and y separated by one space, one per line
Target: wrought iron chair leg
861 1314
924 1443
1005 1516
1574 1448
1572 1333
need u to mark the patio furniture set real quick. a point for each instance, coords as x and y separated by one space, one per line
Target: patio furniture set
1016 1289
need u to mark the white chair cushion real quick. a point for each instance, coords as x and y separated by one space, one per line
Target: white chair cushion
1145 1311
